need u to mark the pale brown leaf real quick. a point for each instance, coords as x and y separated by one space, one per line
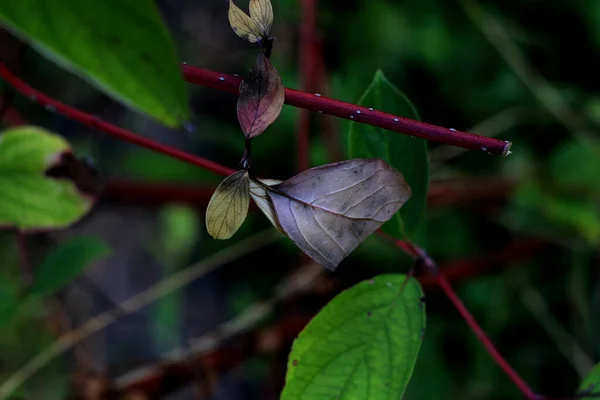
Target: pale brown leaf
259 194
242 24
261 12
228 206
261 98
329 210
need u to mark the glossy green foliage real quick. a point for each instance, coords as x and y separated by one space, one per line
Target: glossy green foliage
120 47
362 345
405 153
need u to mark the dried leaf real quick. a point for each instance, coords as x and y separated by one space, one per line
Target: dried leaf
261 12
228 206
329 210
263 201
261 98
242 24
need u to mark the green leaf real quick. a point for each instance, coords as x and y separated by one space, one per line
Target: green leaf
405 153
65 263
29 199
591 383
119 46
362 345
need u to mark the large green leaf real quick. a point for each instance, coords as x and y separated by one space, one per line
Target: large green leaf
591 383
65 263
120 46
362 345
29 199
405 153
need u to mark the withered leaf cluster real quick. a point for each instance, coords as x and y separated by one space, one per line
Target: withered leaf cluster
326 211
254 27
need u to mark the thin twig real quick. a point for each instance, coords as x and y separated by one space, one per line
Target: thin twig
96 122
456 192
300 282
309 101
490 127
419 253
469 268
317 103
135 303
293 97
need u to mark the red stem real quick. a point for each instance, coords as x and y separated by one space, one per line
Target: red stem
462 270
484 339
93 121
450 193
318 103
293 97
443 283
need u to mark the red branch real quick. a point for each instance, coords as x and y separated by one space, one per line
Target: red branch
313 102
462 270
440 194
93 121
443 283
316 102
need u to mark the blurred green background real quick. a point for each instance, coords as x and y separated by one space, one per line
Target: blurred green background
524 71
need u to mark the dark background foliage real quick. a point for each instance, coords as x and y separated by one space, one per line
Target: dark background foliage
541 306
